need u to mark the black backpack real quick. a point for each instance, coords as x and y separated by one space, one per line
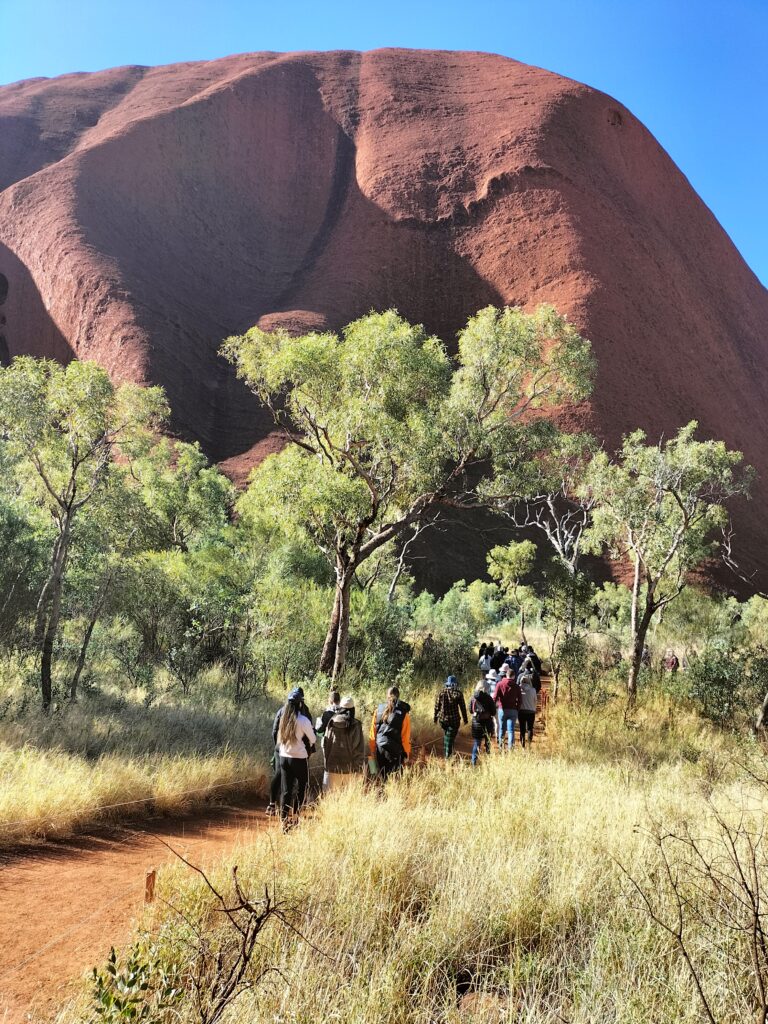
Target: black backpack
480 711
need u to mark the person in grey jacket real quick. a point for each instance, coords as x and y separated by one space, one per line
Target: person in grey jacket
343 746
526 716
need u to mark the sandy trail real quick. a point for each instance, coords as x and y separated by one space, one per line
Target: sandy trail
64 904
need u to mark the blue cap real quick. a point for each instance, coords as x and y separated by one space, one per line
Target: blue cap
296 695
451 682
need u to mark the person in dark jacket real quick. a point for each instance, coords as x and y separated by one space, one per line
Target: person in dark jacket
529 697
344 746
482 709
276 783
498 657
515 662
449 705
390 735
535 661
507 698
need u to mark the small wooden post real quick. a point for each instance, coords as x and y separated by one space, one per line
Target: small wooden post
149 886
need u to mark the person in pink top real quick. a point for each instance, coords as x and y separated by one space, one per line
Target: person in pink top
507 697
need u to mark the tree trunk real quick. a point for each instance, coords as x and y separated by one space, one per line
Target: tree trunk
52 588
46 659
639 629
572 604
342 636
95 612
522 625
328 657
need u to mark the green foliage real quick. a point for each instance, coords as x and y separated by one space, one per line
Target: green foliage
661 503
187 500
62 424
658 506
22 568
727 684
134 989
715 681
447 629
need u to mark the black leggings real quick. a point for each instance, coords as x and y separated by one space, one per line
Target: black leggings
294 773
526 720
389 764
276 784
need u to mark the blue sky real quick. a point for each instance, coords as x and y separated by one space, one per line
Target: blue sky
694 71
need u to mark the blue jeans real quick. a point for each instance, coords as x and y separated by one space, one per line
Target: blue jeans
480 741
507 723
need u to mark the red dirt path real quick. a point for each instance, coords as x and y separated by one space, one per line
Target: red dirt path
88 891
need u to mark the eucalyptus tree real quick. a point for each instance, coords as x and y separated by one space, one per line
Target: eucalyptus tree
384 429
64 427
659 507
508 565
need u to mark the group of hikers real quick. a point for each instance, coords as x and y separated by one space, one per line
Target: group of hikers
345 752
503 696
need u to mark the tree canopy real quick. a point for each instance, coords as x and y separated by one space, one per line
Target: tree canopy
658 506
385 430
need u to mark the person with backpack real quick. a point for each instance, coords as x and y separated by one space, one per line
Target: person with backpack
295 742
276 783
343 746
333 706
529 697
506 696
390 736
482 709
449 705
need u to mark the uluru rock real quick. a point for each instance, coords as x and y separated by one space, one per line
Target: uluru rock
147 213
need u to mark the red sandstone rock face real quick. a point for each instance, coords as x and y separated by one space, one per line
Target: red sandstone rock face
145 214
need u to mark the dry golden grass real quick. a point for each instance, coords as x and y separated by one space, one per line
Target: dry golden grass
511 875
104 758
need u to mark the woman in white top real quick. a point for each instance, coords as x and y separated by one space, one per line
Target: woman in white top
295 742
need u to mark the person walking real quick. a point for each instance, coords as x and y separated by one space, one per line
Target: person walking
515 662
390 735
490 680
529 696
275 785
295 742
484 661
498 658
343 746
535 661
482 709
323 720
506 696
449 705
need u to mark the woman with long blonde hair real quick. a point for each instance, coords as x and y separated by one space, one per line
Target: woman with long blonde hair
295 742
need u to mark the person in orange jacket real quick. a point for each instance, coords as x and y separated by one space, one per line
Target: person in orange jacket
390 735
